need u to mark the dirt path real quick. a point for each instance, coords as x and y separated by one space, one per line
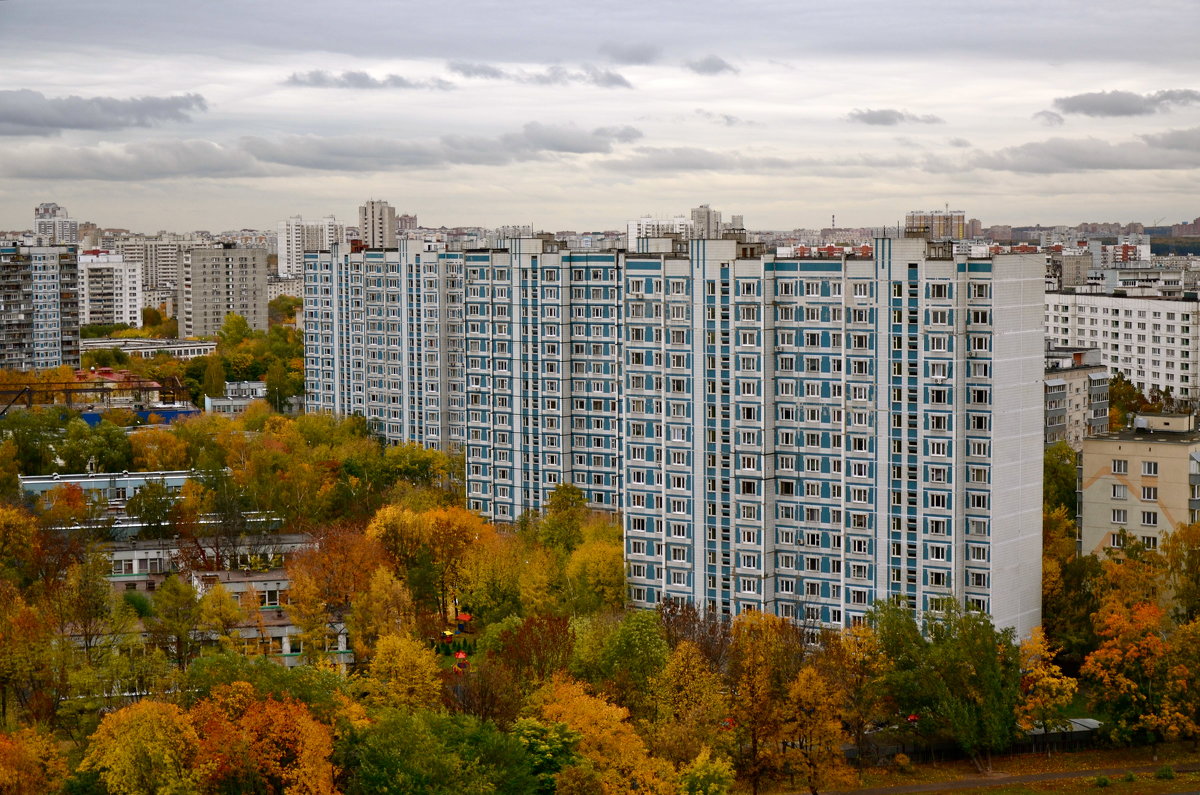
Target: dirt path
1003 780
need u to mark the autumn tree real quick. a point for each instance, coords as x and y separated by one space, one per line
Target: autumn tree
146 747
813 727
30 763
385 608
1060 462
690 707
176 618
855 665
214 377
248 744
403 673
218 614
1181 560
156 450
609 742
1045 691
151 506
765 656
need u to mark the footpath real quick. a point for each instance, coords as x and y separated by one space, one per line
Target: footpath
1004 780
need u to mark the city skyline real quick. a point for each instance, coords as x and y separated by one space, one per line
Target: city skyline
152 117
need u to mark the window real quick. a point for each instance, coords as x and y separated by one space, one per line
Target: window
1150 518
1150 468
1120 466
1150 493
1120 516
1120 492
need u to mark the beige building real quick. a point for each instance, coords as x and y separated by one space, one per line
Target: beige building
218 281
377 224
1076 388
1139 481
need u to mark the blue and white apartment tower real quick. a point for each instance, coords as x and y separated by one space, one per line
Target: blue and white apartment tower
383 338
803 437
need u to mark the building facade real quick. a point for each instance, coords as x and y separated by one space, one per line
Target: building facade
52 223
297 236
377 224
798 436
1153 341
110 290
219 281
39 307
1139 483
384 339
1076 395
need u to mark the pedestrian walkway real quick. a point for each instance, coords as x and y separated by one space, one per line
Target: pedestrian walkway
1003 780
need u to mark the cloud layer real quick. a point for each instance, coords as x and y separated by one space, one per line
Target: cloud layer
26 112
889 117
550 76
1125 103
319 78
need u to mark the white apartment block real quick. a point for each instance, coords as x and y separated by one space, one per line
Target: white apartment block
160 258
52 223
216 282
39 307
377 224
650 227
384 338
297 236
1154 341
110 290
793 435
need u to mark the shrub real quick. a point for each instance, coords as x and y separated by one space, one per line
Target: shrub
1101 781
1129 777
903 763
1165 772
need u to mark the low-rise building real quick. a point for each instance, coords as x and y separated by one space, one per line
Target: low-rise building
1076 395
237 398
149 348
1139 482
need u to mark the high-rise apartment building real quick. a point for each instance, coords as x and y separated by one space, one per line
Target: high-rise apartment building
219 281
543 335
706 223
297 236
937 224
383 338
52 223
159 258
39 307
1153 341
377 224
110 290
799 436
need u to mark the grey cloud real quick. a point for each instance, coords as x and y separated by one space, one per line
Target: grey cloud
1049 118
318 78
551 76
889 117
710 65
1125 103
25 112
1073 155
631 54
647 159
144 160
726 119
480 70
959 143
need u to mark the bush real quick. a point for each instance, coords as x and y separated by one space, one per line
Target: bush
903 763
1129 777
1165 772
1102 781
139 602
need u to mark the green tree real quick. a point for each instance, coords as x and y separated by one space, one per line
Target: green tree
176 619
279 386
151 506
706 775
151 316
551 747
1059 477
233 332
214 377
1181 555
148 747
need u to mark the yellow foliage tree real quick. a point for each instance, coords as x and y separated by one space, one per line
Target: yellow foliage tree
220 614
403 673
155 449
147 747
1046 690
30 763
609 743
813 726
385 608
691 706
854 663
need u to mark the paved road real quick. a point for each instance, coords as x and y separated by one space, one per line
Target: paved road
964 785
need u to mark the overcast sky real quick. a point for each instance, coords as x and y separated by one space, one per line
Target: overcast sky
148 114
